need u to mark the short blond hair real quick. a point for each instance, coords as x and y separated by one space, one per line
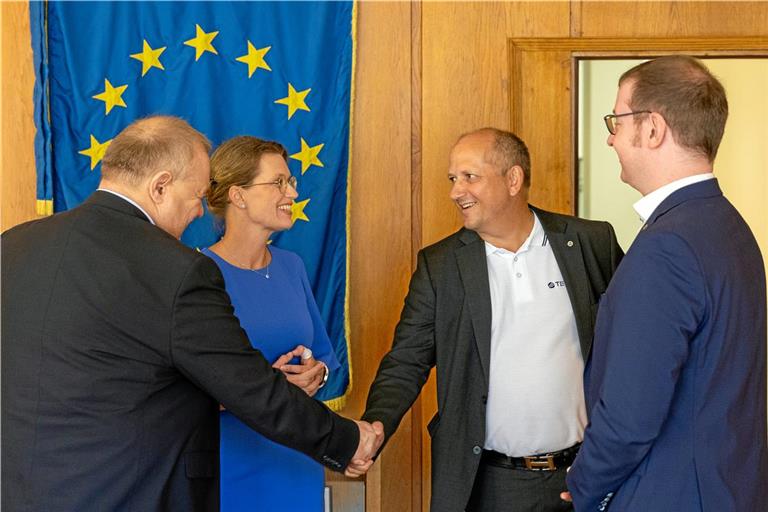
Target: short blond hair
150 144
235 163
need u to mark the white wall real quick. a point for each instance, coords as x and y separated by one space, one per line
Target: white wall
742 161
741 165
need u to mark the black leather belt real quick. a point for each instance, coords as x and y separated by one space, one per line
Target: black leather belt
541 462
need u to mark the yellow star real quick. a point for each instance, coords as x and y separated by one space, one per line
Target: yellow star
149 58
202 42
255 58
294 100
112 96
96 151
297 211
308 155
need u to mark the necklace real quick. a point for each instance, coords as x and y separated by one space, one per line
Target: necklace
263 272
259 271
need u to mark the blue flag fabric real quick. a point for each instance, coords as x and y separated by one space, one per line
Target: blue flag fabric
279 71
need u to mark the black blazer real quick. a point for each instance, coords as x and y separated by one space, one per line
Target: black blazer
446 322
118 345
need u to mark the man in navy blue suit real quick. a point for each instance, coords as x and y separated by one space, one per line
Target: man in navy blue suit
676 385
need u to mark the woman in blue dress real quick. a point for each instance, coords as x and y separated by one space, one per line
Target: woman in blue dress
253 190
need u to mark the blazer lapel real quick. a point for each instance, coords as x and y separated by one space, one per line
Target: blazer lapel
567 249
473 270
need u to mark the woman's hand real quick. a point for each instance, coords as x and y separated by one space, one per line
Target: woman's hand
308 375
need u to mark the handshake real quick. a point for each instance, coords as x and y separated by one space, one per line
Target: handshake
371 439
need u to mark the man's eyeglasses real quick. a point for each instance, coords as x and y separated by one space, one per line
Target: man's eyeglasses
281 182
610 119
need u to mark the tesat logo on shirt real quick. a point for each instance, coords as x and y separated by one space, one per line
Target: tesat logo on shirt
553 284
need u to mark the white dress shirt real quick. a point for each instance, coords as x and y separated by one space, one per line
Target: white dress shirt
121 196
536 394
649 202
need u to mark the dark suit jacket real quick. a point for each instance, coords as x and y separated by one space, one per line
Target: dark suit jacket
446 322
118 345
676 387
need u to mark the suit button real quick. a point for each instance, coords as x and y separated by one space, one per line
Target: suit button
477 450
485 399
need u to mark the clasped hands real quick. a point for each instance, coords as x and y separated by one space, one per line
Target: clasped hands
371 439
308 375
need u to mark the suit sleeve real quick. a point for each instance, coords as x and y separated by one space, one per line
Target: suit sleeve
210 349
646 320
404 370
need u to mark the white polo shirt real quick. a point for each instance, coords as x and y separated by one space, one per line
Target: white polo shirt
536 393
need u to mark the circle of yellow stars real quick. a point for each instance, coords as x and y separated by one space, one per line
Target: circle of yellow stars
254 59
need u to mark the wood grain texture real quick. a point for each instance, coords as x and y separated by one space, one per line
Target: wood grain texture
542 108
615 47
465 84
381 225
417 478
18 130
666 19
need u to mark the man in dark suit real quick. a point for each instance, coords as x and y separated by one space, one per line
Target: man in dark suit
676 386
504 309
119 344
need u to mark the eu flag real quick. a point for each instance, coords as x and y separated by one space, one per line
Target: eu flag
280 71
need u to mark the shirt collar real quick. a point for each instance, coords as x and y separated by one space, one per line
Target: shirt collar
536 238
648 203
121 196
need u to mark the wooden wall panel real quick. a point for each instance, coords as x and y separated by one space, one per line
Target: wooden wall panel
381 223
541 108
670 19
18 132
465 84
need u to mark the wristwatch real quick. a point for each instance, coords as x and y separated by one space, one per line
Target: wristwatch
325 377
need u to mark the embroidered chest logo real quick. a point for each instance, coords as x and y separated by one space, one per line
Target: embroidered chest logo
556 284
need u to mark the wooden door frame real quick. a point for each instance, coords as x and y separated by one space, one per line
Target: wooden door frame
544 94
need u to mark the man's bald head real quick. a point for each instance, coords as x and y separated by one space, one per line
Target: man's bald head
149 145
505 150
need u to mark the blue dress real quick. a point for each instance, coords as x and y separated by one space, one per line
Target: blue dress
277 314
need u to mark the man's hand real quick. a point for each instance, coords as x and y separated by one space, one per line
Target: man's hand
371 439
565 495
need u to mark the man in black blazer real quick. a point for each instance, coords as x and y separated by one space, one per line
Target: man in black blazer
505 310
119 344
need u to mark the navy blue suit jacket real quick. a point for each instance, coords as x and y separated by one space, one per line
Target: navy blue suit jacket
676 385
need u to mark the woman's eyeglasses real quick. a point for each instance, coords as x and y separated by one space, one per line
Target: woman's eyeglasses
281 183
